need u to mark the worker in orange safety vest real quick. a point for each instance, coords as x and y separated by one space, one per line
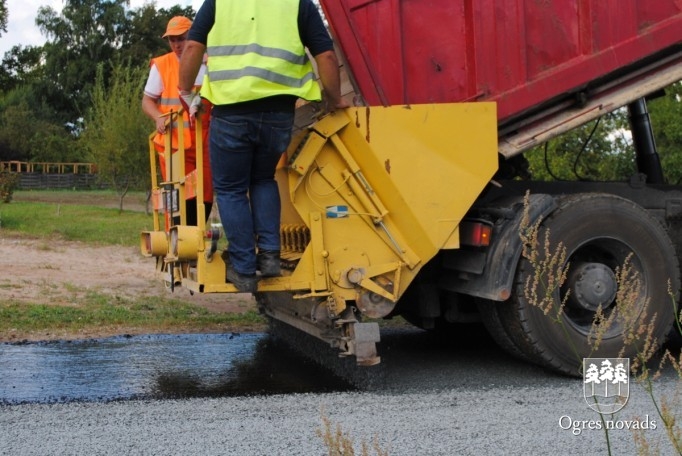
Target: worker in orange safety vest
161 96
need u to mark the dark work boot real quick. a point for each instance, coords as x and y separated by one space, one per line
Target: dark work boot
242 282
267 262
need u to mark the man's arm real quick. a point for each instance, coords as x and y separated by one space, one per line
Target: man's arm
152 92
151 109
190 62
328 69
315 37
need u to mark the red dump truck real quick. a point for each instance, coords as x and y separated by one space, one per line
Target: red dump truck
407 203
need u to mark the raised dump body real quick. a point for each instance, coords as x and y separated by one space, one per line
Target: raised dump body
549 65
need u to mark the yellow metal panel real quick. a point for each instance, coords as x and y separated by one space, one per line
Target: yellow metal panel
439 156
402 178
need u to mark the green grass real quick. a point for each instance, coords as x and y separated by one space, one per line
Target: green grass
98 311
100 197
73 222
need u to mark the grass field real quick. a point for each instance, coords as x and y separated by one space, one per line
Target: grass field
92 219
89 220
101 314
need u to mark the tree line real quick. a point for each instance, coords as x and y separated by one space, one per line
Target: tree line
602 150
77 98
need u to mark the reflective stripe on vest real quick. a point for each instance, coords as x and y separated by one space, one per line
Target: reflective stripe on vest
169 102
248 62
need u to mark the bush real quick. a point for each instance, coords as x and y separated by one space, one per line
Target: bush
8 183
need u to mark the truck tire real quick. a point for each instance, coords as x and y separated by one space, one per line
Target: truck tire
600 233
490 316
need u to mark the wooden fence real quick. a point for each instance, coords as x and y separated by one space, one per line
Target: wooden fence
44 175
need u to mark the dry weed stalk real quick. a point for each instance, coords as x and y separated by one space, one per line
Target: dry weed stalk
669 406
676 363
638 332
677 311
340 443
643 445
628 290
549 267
672 428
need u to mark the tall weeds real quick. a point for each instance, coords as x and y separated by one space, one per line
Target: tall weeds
549 271
340 443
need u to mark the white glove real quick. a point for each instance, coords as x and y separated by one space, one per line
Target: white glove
194 106
190 102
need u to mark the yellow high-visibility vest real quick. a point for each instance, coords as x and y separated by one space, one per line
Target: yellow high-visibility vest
254 51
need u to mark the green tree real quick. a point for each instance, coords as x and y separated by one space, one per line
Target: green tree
116 131
17 128
30 129
84 34
21 65
597 151
4 14
607 152
145 26
665 113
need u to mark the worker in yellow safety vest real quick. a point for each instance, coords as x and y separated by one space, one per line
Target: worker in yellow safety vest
258 68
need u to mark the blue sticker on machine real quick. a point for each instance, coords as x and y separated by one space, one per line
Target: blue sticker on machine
337 211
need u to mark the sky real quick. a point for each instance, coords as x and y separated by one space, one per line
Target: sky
21 28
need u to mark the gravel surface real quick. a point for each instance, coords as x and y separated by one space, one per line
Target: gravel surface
520 420
430 401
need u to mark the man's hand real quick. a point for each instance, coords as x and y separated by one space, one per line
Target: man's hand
186 98
195 106
190 103
333 105
161 125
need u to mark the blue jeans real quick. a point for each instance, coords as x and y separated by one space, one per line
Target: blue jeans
245 149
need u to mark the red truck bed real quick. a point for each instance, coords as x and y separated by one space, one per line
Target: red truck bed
519 53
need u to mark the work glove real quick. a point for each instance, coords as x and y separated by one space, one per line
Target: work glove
190 102
195 106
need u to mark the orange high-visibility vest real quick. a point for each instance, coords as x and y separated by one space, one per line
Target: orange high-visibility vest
168 66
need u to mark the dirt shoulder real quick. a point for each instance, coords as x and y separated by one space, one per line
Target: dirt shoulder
57 272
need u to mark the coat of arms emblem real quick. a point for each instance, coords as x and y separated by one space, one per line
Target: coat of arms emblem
606 383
